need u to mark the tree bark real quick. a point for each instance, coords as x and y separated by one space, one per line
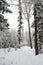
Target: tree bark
30 34
36 44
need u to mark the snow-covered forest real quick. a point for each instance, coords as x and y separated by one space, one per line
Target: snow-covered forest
21 32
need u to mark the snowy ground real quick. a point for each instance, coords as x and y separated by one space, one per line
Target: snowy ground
23 56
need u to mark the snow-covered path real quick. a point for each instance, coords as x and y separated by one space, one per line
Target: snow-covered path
23 56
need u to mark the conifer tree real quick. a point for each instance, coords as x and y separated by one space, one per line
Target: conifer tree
3 8
20 26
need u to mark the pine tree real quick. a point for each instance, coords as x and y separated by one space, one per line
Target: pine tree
3 8
20 26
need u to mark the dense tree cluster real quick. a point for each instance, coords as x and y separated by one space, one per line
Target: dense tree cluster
4 26
38 25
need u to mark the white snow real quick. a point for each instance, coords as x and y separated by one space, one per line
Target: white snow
22 56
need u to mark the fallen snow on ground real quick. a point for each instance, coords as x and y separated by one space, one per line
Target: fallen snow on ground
22 56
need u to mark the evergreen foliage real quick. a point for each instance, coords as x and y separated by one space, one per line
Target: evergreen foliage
20 26
3 8
39 21
4 26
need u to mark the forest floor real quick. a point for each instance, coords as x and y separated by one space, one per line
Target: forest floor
22 56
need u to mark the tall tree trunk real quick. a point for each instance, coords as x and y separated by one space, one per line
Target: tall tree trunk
36 45
30 34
